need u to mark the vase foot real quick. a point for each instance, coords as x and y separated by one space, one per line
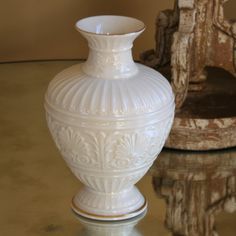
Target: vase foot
109 206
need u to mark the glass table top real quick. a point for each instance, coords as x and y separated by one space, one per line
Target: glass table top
188 193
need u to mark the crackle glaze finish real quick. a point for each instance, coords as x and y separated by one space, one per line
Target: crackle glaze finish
109 117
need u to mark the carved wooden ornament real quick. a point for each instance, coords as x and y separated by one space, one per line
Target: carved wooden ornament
191 38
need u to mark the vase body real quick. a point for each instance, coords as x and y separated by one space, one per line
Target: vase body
109 117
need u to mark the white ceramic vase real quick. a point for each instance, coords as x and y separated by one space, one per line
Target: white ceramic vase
109 117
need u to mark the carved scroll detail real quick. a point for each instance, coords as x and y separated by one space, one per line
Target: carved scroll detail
191 37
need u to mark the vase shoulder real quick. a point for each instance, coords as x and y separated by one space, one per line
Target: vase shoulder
74 91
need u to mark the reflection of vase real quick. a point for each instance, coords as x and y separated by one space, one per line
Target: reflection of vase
109 118
103 228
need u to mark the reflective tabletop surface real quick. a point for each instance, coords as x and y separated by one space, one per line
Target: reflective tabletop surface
188 193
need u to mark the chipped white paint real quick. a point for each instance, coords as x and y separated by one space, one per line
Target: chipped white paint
192 37
222 37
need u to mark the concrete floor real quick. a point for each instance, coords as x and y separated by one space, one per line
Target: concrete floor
35 185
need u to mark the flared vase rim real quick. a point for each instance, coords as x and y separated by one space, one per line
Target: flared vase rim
136 27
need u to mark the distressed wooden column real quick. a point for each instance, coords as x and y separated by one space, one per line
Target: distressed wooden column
192 37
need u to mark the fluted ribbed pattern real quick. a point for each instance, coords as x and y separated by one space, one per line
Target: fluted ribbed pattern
109 185
104 43
75 92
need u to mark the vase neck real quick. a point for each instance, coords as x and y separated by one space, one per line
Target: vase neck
110 39
110 56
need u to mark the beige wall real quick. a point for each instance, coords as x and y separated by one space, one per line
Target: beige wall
44 29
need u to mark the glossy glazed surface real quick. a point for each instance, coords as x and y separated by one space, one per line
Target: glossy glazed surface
109 117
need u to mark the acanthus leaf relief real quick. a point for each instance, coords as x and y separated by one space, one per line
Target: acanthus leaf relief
132 149
73 146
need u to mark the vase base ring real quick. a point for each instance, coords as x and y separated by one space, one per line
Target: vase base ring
117 217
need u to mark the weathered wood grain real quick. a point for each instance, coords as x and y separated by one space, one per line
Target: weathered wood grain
190 38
